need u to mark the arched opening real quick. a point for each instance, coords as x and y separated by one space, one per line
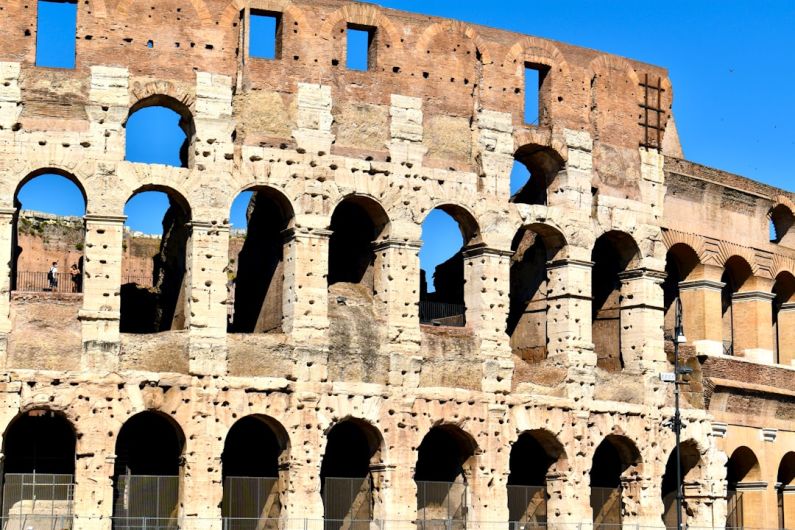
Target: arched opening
254 469
447 233
160 130
256 261
742 475
783 317
349 474
533 247
781 220
38 471
154 265
444 462
680 261
690 460
49 234
532 457
614 253
534 171
614 461
785 491
736 272
146 473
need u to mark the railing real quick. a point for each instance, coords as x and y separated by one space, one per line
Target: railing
441 505
606 506
442 314
728 347
527 506
347 503
28 281
249 503
37 501
145 502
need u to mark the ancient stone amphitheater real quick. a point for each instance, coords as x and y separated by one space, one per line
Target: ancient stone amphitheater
340 394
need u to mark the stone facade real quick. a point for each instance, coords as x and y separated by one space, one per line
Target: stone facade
435 122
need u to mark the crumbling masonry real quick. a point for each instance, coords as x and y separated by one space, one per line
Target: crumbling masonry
329 378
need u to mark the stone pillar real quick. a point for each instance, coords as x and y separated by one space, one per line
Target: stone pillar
486 288
107 109
406 130
495 151
701 315
93 494
488 487
572 186
569 341
305 301
201 486
7 239
101 291
642 320
303 500
641 501
314 118
207 258
786 334
752 313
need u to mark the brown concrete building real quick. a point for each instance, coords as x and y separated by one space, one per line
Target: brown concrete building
340 394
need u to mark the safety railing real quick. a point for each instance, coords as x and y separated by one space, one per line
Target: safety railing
38 500
60 282
145 502
527 506
442 314
441 505
250 503
606 507
347 503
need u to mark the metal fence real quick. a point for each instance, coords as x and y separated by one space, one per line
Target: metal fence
442 314
441 505
37 501
146 502
527 506
251 503
348 503
606 506
28 281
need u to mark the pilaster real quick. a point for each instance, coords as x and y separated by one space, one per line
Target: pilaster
406 130
752 325
786 334
314 118
642 347
701 310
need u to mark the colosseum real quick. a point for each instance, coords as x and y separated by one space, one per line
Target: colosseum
326 388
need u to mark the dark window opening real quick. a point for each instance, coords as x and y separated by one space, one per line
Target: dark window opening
784 293
351 255
680 261
160 130
360 44
146 472
527 315
254 453
690 459
611 460
56 33
743 466
781 220
533 175
612 255
531 458
346 481
39 467
442 464
265 34
786 491
536 91
49 222
154 267
736 272
256 267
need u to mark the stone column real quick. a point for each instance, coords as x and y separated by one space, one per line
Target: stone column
303 500
488 474
569 341
641 501
314 118
486 288
101 291
701 315
207 258
642 320
786 334
406 130
7 240
305 301
752 325
93 494
201 486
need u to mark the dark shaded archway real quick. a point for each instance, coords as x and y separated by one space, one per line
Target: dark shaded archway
742 468
613 460
254 464
680 261
737 272
356 224
690 463
785 491
532 458
146 474
543 165
782 319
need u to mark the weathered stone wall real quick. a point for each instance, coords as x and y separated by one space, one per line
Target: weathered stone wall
436 122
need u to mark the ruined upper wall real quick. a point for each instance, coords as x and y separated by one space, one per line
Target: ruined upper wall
455 68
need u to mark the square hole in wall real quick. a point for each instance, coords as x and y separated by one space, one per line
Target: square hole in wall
264 35
56 32
359 45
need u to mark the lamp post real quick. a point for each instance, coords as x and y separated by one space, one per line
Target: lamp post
679 338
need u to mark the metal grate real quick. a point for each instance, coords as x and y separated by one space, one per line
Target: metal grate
347 503
251 503
27 281
527 506
441 505
442 314
606 506
146 502
37 501
653 114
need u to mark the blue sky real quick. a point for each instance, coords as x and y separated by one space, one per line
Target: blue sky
731 63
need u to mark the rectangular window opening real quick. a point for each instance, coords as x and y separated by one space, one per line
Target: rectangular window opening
265 30
360 48
56 33
534 77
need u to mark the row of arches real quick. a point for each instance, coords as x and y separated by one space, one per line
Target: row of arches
39 448
746 490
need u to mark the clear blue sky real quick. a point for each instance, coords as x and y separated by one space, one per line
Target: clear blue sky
732 65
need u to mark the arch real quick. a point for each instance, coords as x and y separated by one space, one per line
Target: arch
70 176
781 218
535 455
680 262
173 194
603 63
372 207
185 123
434 30
785 486
691 469
467 222
149 456
743 466
737 271
615 460
350 473
280 199
671 238
254 470
286 7
543 163
539 51
364 15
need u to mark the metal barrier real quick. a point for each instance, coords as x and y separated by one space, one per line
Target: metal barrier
728 347
145 502
250 503
441 505
442 314
27 281
347 503
527 506
606 506
37 501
